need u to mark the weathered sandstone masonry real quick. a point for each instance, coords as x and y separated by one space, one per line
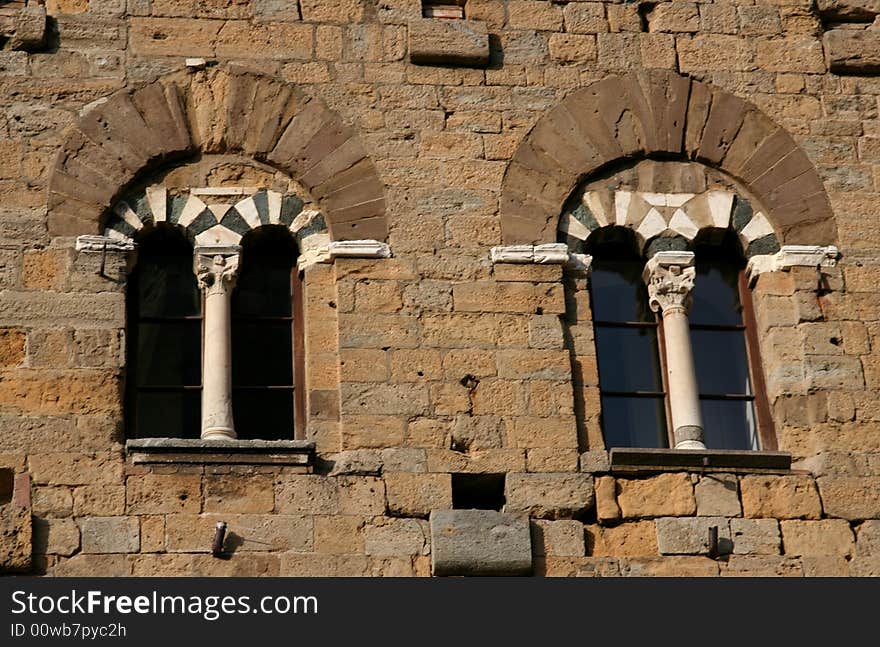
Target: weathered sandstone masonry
442 182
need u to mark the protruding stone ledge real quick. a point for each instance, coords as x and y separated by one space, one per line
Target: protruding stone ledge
104 244
550 253
480 542
449 42
242 452
792 256
649 460
852 51
344 249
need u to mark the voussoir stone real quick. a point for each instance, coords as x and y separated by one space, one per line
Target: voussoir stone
480 542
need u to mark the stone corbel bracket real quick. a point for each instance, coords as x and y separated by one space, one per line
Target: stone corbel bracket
546 254
821 256
343 249
104 244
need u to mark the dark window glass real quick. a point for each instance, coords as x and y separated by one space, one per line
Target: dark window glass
164 339
718 337
262 336
630 373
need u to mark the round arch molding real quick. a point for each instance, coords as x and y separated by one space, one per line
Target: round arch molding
661 115
215 111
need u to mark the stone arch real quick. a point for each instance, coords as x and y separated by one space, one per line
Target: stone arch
226 110
661 115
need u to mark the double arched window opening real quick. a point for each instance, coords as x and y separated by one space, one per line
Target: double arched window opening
633 360
166 333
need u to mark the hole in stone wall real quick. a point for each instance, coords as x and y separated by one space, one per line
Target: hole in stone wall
477 491
7 483
443 9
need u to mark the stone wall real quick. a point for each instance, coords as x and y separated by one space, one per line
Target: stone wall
434 362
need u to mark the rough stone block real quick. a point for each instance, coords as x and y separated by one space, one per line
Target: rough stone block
240 494
110 534
868 538
416 495
162 493
549 496
480 542
667 495
690 536
815 538
558 538
780 497
628 539
55 537
448 42
606 499
718 495
852 498
755 536
16 533
397 537
849 51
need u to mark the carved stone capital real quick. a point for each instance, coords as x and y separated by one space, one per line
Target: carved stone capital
670 280
216 268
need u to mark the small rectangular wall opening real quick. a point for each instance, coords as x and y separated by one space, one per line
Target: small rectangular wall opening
7 485
443 8
477 491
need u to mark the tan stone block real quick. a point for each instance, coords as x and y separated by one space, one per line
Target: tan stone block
110 534
825 566
306 494
607 509
55 537
554 432
713 52
549 495
372 431
626 540
163 493
450 399
52 502
397 537
45 269
486 461
549 398
12 347
99 500
558 538
361 495
48 393
415 495
415 365
793 54
816 538
10 158
551 459
94 566
852 498
658 51
178 36
62 468
499 397
534 364
377 331
674 17
377 296
667 495
459 363
781 497
190 533
490 296
623 18
152 533
478 331
762 566
669 566
426 432
239 494
281 40
451 145
341 11
339 535
573 48
585 18
533 14
755 536
363 365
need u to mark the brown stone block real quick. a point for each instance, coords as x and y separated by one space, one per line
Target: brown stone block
372 431
499 397
64 468
667 495
152 533
762 566
377 331
339 535
448 42
281 40
361 495
99 500
725 118
12 347
45 269
586 109
306 494
715 52
309 119
163 493
80 392
475 331
852 51
363 365
94 566
489 296
792 54
191 533
667 95
161 108
668 566
558 431
533 364
486 461
767 155
781 497
415 495
549 495
817 538
626 540
756 128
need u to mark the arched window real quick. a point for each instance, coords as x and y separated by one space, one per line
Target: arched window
626 333
164 339
264 312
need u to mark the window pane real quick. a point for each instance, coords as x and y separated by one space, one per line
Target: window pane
169 353
721 362
166 283
618 293
628 359
262 353
169 414
633 422
262 290
729 424
262 413
716 295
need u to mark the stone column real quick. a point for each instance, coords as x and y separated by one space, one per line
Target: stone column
216 268
670 279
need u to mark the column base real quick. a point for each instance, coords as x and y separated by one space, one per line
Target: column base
689 437
690 444
218 433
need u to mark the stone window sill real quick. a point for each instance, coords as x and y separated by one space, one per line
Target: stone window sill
241 452
643 460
